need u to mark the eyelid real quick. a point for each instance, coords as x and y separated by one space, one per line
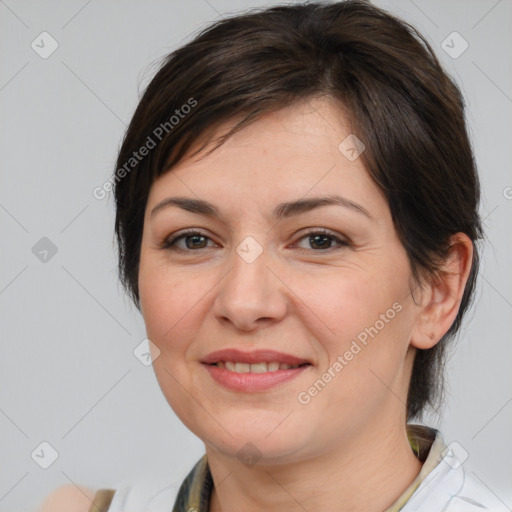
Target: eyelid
324 231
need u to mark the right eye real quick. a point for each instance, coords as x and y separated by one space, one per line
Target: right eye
193 240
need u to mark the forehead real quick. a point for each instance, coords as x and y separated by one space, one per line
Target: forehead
294 152
302 126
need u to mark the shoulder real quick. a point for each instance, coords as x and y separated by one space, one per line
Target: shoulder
452 488
447 480
146 495
475 492
68 498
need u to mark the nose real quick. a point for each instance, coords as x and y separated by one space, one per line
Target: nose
250 295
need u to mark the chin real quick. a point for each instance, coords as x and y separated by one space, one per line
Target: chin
264 439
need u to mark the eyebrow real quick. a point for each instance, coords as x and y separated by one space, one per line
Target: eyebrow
281 211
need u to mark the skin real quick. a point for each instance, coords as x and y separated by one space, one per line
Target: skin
347 449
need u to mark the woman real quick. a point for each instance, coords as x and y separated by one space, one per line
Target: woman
296 213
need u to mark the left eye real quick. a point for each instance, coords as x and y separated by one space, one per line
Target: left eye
322 240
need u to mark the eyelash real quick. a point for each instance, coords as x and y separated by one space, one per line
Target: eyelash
169 242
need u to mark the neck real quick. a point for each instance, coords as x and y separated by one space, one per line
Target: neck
368 473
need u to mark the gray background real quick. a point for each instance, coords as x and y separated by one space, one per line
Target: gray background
68 373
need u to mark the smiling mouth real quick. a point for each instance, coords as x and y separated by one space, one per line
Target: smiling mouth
262 367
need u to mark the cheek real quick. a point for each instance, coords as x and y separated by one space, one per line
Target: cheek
171 308
162 310
349 303
369 325
172 302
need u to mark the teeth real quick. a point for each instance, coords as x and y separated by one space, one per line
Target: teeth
255 367
259 367
242 367
273 366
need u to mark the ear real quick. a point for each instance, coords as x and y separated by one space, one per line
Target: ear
441 296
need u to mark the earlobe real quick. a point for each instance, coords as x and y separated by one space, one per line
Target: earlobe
442 295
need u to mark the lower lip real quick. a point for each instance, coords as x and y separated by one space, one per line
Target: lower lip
252 382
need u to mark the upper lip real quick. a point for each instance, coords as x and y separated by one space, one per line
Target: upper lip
255 356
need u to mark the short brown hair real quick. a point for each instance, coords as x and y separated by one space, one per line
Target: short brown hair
400 103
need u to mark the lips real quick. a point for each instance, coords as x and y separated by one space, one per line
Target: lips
255 371
253 357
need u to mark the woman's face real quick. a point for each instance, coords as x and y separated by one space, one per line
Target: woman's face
328 284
